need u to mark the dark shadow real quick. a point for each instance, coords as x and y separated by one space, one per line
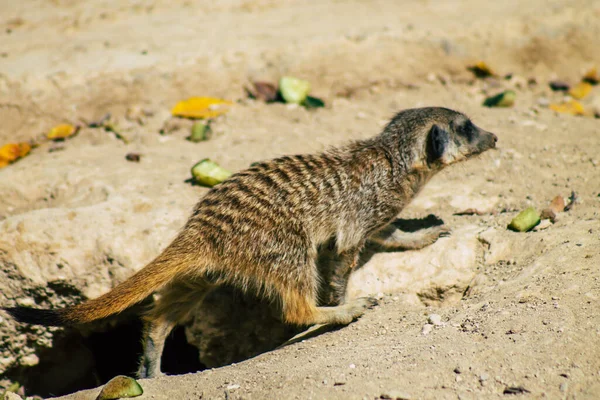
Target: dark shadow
83 360
413 225
406 225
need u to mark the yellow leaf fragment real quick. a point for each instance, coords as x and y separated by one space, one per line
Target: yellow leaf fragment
10 152
24 149
481 70
580 90
13 151
61 131
571 107
201 107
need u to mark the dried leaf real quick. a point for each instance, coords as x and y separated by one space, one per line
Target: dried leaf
264 91
572 107
573 199
13 151
559 86
504 99
133 157
580 90
592 76
313 102
481 70
557 204
10 152
24 149
62 131
201 107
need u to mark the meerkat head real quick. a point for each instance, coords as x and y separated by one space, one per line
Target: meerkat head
435 137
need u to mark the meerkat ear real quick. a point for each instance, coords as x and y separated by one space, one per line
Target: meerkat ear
437 142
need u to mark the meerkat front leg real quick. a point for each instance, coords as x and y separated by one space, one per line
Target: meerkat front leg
392 238
336 269
300 304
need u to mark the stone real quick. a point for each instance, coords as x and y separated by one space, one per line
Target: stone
426 330
435 319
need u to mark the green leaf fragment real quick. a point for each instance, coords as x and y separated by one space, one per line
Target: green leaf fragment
200 132
313 102
209 173
293 90
504 99
525 221
119 387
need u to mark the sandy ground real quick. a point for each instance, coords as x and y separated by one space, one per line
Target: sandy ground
529 318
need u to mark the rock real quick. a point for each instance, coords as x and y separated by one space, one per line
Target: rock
435 319
437 274
545 224
564 387
543 102
426 330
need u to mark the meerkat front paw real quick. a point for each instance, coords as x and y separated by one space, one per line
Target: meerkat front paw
360 305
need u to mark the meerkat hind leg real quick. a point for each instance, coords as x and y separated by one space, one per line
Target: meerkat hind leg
175 306
155 334
392 238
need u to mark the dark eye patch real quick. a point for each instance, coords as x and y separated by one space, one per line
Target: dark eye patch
467 130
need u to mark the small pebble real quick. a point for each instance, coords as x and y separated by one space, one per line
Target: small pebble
435 319
543 102
545 224
564 386
426 329
233 387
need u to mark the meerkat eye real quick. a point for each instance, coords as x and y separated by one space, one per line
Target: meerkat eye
467 130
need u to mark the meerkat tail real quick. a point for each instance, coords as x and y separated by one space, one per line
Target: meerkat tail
135 289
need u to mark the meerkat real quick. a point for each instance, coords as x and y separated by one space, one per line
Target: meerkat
261 230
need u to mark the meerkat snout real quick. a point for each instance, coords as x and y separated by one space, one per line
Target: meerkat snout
457 141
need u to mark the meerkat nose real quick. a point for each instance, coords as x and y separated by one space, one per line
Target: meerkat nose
495 138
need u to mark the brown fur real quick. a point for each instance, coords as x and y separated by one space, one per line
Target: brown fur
262 229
